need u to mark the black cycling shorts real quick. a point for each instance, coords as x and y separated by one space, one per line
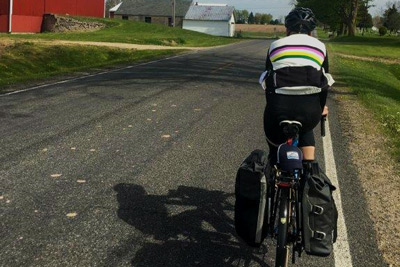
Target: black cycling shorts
303 108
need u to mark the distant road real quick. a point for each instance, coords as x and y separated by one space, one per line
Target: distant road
136 167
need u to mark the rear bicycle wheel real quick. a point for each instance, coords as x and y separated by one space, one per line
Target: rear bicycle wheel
282 248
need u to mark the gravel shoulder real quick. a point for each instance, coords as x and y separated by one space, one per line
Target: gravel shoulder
378 171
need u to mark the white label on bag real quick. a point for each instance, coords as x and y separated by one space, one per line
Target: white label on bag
292 155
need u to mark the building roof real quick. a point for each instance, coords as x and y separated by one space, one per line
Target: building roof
202 12
153 8
115 8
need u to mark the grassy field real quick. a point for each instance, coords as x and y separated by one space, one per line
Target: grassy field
380 47
260 35
124 31
260 28
26 61
322 34
377 84
254 31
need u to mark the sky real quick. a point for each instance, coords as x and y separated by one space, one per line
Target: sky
280 8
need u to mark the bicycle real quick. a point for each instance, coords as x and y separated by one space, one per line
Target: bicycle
284 198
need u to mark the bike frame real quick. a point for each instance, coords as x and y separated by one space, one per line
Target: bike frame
284 191
286 188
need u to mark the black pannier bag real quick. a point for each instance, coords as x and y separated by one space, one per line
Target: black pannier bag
319 213
251 192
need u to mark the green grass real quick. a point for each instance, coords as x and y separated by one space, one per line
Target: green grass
322 34
382 47
262 35
124 31
26 61
376 84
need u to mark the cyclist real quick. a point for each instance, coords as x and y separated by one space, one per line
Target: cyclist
296 82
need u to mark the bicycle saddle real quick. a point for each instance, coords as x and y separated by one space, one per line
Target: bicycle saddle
290 128
288 122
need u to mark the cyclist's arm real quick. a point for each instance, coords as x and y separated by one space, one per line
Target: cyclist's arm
324 92
268 63
323 95
325 64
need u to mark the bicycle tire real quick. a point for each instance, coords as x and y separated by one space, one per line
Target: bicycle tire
282 248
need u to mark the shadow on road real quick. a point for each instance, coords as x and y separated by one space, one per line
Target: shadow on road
187 227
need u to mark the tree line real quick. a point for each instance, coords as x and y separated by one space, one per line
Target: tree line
390 20
243 16
344 16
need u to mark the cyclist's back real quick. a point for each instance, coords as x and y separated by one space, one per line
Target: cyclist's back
297 65
297 81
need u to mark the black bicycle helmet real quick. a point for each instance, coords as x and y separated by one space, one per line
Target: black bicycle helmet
300 20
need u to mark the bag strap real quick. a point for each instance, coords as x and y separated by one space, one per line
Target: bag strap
318 210
317 173
318 235
328 181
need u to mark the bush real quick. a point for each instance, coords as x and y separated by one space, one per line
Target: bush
383 31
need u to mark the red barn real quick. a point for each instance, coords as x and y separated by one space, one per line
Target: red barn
27 15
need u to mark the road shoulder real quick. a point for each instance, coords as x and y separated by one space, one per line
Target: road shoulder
376 170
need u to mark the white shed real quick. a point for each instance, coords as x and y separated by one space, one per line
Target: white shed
211 19
113 10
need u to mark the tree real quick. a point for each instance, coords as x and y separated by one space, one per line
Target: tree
382 31
274 22
391 19
391 3
325 11
238 16
339 14
377 21
251 19
351 17
347 11
257 18
364 19
265 18
245 14
241 16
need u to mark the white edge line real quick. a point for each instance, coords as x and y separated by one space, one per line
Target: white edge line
341 248
90 75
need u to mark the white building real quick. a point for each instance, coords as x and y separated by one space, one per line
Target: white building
113 10
211 19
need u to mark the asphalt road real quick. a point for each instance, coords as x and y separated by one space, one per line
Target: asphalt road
136 167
